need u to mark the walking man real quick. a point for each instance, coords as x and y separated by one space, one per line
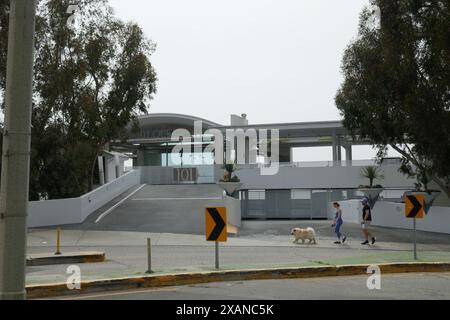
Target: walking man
366 220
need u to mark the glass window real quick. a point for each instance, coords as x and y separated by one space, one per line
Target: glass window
256 195
300 194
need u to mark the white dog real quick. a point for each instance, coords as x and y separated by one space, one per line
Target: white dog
304 234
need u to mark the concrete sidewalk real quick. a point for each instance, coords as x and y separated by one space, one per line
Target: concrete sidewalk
42 239
177 253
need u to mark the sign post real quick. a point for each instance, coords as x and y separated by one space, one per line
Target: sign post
149 256
415 238
217 256
216 228
415 209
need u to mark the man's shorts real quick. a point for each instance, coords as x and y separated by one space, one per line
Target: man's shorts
366 225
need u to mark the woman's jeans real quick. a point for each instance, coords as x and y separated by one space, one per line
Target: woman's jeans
339 223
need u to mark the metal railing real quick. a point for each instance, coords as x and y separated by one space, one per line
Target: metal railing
316 164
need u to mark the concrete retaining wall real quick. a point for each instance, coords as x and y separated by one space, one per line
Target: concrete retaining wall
233 211
350 211
101 196
392 215
76 210
388 214
54 212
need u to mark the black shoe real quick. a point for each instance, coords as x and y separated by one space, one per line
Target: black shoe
337 242
343 239
365 243
374 240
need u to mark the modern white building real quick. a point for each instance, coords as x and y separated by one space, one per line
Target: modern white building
297 191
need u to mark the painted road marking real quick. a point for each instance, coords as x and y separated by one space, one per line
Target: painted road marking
102 295
104 214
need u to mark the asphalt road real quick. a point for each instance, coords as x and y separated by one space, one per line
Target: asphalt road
429 286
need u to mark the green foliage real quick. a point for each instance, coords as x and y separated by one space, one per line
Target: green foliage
372 173
91 81
397 86
229 168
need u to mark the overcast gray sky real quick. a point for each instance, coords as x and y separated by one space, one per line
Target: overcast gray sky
275 60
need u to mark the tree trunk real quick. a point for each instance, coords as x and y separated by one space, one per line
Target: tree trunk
92 169
445 187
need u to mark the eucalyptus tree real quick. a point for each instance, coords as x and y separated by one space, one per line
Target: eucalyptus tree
92 77
396 90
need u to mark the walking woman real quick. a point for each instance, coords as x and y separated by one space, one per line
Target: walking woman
337 224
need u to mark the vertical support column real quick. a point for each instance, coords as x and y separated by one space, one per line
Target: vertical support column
292 155
141 158
339 148
230 147
101 170
334 147
348 154
285 153
348 163
251 150
247 150
16 149
117 165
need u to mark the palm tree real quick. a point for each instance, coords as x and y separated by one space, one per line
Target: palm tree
230 168
372 173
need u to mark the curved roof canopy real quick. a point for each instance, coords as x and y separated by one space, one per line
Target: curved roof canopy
173 119
159 127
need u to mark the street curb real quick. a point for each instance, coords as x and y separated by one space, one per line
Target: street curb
154 281
66 258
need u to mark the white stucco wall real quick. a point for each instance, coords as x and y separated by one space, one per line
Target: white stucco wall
350 211
233 206
343 177
54 212
101 196
388 214
76 210
392 215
